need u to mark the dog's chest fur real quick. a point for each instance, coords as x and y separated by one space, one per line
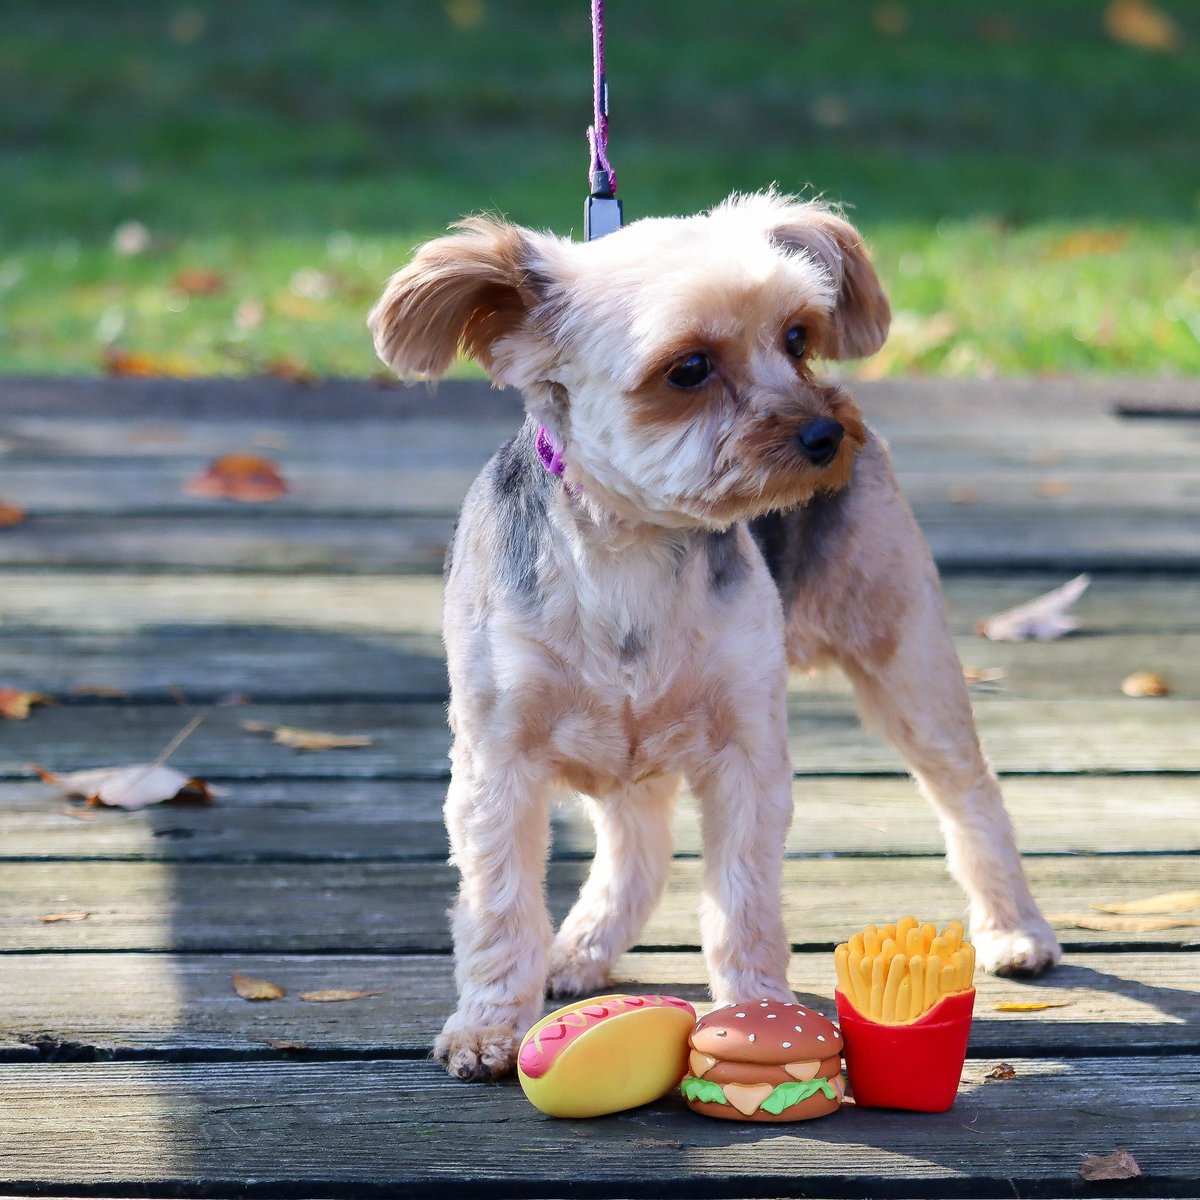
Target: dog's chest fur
604 654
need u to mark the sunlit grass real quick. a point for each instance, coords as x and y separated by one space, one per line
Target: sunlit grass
1029 186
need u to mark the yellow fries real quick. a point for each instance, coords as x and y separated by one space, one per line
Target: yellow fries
895 974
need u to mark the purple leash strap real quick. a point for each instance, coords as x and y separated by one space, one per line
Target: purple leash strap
602 211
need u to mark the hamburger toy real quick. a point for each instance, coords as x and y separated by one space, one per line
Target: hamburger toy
764 1061
605 1055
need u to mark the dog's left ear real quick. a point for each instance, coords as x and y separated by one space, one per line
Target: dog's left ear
465 291
861 315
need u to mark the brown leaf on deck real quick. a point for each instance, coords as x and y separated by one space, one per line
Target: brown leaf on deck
308 739
1164 902
1049 489
132 787
15 704
75 915
101 690
334 995
249 987
1116 1164
10 515
249 478
1139 23
1145 683
1030 1005
1112 923
984 674
1041 619
278 1044
1002 1071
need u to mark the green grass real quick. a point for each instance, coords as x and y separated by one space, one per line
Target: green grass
1030 185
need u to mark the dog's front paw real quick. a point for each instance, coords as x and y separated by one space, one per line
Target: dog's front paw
572 971
1021 953
477 1054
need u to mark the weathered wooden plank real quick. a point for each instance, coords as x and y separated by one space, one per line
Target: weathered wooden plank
917 399
208 662
307 819
933 477
114 1006
411 740
405 1127
1116 604
295 908
1029 537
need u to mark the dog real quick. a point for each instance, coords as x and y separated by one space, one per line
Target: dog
686 511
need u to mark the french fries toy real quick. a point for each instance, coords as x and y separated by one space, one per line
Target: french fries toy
904 999
607 1054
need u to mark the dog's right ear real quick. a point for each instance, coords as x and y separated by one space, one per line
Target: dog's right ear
465 291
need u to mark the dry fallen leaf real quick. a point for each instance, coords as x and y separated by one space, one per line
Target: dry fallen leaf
15 704
279 1044
246 477
1002 1071
332 995
196 281
251 988
132 787
984 674
1138 23
1117 1164
1042 619
1111 923
137 364
1030 1005
1145 683
1164 902
307 739
1048 489
10 515
54 918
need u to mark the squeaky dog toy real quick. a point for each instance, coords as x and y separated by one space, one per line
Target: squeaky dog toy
764 1061
606 1054
905 999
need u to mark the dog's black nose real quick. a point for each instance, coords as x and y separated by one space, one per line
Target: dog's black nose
819 440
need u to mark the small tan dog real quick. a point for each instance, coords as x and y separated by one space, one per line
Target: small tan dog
686 511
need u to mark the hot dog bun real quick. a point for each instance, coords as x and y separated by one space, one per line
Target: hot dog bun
605 1054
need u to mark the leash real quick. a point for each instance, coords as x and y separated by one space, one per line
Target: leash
602 209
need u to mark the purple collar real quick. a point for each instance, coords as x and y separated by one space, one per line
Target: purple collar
550 455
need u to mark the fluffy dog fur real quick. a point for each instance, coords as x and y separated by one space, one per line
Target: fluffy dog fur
631 623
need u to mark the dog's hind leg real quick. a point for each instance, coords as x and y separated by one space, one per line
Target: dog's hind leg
499 829
868 597
627 877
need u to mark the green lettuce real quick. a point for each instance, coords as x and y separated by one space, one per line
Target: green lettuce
787 1094
703 1090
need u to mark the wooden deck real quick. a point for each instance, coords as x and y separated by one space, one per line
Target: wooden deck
129 1067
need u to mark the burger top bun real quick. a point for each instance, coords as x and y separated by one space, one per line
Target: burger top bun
767 1032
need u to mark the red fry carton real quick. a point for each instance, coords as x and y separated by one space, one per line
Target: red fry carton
916 1066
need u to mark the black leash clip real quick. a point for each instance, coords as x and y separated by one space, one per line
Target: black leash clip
602 210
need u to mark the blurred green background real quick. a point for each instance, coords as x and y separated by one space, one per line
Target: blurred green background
223 187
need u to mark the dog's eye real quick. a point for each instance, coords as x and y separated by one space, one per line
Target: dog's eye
690 372
795 340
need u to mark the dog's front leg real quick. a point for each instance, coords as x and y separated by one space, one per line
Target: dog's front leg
499 829
745 794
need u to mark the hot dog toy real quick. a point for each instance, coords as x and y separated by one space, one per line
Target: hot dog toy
905 999
606 1054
